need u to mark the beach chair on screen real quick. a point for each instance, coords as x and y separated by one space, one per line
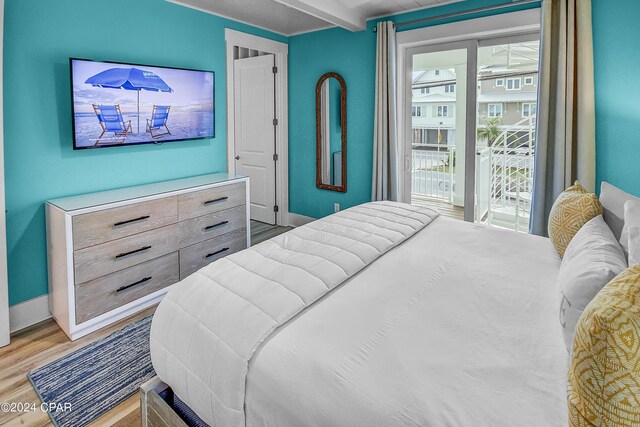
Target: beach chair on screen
110 118
158 120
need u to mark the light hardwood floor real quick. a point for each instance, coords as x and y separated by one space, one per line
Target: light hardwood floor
45 342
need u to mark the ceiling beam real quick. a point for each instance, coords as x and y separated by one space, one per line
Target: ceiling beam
331 11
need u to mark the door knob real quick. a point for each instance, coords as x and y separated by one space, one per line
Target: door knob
237 157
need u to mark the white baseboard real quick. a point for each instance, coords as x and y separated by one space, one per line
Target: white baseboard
296 220
29 313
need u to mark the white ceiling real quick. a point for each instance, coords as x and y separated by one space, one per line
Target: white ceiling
266 14
290 17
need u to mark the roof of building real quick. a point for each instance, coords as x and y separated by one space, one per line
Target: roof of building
515 96
434 97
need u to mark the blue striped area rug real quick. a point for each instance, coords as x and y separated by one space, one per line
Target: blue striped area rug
85 384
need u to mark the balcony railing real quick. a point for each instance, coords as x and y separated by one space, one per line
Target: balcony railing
433 170
504 175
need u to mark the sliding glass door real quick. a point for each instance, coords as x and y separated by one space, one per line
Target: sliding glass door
469 129
438 129
442 83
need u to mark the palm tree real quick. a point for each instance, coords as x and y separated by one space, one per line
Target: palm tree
490 131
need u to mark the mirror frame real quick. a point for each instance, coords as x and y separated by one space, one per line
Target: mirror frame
343 124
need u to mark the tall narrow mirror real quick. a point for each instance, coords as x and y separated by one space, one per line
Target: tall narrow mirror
331 133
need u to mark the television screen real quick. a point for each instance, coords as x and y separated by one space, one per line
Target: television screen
125 104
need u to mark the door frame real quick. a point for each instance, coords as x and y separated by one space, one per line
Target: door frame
280 50
4 282
458 35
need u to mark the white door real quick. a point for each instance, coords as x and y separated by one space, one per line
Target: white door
254 96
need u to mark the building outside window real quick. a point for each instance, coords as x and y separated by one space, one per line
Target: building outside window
494 110
416 111
450 88
424 90
528 81
499 82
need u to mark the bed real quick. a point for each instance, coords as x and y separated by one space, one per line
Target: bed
455 325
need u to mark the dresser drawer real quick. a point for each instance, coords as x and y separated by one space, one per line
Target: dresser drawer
205 227
114 290
110 224
198 203
99 260
194 257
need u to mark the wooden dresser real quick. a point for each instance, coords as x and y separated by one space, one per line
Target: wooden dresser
114 253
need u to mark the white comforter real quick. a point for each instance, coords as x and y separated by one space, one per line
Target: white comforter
458 326
207 328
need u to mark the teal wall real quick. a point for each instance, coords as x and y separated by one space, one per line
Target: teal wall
617 66
353 55
39 38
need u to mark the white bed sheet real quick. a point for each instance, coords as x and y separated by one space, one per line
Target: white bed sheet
458 326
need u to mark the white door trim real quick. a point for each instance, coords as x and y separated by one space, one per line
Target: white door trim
507 24
4 282
280 50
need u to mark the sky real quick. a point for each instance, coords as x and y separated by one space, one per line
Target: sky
189 88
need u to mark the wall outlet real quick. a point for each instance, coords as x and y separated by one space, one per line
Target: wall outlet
336 207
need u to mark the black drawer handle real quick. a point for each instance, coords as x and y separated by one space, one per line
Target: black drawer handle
219 199
209 227
216 252
144 248
139 282
129 221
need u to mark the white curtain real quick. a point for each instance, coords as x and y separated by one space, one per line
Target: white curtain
385 141
565 129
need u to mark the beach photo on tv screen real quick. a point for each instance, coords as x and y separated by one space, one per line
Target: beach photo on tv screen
123 104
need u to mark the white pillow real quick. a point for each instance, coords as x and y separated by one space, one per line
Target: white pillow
613 200
591 260
631 230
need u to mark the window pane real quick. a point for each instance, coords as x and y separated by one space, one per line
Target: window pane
506 134
438 144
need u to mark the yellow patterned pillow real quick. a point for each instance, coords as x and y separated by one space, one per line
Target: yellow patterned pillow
604 377
573 208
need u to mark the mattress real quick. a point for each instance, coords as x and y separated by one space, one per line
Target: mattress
458 326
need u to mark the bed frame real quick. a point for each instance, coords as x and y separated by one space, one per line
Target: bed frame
154 409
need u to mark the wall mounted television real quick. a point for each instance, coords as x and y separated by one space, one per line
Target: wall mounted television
116 104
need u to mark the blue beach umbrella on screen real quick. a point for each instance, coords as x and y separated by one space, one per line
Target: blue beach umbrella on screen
129 79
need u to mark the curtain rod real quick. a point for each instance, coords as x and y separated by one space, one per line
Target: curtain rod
461 13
